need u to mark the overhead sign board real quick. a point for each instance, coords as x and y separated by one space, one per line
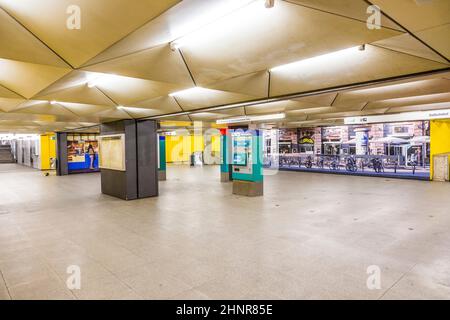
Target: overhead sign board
408 116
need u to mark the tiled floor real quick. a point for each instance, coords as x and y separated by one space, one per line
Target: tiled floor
311 236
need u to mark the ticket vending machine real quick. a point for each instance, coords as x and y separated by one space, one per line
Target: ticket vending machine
247 162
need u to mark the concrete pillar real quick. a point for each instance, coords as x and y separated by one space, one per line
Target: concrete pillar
62 167
138 177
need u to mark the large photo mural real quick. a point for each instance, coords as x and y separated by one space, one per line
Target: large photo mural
390 149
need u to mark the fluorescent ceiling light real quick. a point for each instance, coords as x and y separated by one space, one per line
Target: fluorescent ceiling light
218 18
173 114
194 90
53 102
318 60
276 116
99 79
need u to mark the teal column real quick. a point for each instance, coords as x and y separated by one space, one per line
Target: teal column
225 166
162 158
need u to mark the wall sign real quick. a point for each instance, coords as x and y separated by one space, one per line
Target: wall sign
408 116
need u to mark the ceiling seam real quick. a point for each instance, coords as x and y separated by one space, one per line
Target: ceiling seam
114 102
39 39
179 105
411 33
409 54
334 100
434 27
52 83
347 17
364 106
5 87
128 34
187 66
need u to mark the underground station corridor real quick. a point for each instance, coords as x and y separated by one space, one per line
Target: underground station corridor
237 153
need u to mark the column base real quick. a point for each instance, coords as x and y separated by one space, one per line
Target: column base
161 175
248 188
224 177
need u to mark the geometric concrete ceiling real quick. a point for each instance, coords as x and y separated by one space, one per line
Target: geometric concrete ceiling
129 57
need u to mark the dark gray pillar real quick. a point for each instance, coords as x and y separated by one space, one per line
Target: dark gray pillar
140 180
62 168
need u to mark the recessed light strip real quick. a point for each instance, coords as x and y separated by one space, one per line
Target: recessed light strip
319 59
265 117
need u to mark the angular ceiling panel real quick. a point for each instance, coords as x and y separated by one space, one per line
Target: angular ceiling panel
140 112
103 22
321 100
126 91
355 9
27 79
177 21
113 114
408 101
212 116
78 94
348 67
164 104
255 38
138 58
85 109
202 98
408 44
253 84
19 44
279 106
44 108
421 107
158 64
416 15
6 93
438 38
413 88
9 104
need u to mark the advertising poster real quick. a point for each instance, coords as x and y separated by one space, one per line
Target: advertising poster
82 153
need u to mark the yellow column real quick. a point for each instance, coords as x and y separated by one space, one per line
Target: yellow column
48 150
440 139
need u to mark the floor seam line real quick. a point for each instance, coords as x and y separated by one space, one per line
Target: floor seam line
6 285
395 283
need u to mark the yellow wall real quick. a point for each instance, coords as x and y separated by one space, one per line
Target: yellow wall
440 139
179 148
215 144
48 150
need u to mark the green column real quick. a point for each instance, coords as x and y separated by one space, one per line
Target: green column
162 158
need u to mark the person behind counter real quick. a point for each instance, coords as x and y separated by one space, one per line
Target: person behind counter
91 153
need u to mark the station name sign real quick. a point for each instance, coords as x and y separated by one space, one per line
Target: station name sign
408 116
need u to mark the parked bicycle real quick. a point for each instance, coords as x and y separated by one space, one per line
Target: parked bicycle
334 164
377 165
308 163
350 164
320 162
